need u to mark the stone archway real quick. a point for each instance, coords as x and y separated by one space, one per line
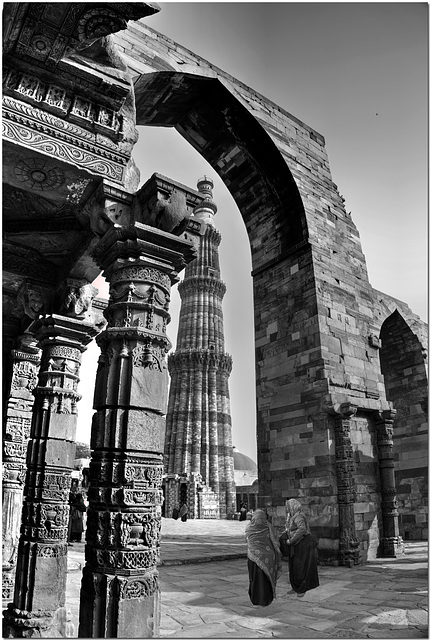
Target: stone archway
309 329
233 142
317 362
403 364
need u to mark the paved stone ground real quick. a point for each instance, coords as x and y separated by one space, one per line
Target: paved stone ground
204 591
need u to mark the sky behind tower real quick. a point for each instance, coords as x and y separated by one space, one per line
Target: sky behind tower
358 74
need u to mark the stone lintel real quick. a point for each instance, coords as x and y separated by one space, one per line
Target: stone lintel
141 244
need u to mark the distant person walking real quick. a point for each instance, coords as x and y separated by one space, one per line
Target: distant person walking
77 511
183 512
175 512
243 509
264 559
303 552
72 499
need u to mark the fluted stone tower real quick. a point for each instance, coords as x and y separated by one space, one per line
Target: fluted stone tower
198 446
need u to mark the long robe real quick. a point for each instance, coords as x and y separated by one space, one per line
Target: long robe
264 559
303 565
303 554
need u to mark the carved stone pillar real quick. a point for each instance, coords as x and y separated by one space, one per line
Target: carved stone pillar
25 364
120 592
349 554
40 585
391 542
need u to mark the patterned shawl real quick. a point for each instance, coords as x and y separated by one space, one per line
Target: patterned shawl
294 513
263 546
292 508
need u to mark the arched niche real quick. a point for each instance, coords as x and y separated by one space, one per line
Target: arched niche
403 365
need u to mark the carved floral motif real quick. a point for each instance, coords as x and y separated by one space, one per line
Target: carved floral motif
24 375
137 589
144 274
67 150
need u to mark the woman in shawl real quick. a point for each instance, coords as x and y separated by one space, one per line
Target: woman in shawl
242 511
303 554
264 559
183 512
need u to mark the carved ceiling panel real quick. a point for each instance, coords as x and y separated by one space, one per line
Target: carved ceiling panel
23 205
48 31
53 246
45 177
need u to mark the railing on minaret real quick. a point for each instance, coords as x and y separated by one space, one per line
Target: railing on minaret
198 428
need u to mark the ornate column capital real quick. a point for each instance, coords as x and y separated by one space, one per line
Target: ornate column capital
345 410
388 416
56 327
137 244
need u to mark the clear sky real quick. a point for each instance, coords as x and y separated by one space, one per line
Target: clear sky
358 74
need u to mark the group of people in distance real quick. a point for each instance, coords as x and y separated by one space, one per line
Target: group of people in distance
180 512
265 556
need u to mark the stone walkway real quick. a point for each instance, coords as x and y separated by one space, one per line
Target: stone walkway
204 591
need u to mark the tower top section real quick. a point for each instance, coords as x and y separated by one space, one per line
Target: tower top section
206 209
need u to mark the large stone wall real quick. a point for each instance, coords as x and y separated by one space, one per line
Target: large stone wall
317 318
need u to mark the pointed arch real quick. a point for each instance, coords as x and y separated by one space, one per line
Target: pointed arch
403 365
235 144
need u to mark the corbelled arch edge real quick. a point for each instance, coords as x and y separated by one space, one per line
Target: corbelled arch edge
234 143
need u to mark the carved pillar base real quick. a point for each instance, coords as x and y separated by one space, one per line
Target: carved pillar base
349 552
392 547
25 624
128 606
12 509
8 581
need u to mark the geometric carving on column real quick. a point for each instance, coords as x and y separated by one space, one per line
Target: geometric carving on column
349 554
120 588
391 542
40 584
25 364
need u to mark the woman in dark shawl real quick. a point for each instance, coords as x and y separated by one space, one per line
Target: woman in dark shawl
183 512
242 511
77 511
264 559
303 554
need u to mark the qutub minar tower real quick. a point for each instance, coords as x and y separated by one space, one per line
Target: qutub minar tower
198 453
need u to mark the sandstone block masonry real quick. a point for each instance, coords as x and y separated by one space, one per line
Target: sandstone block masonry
318 321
